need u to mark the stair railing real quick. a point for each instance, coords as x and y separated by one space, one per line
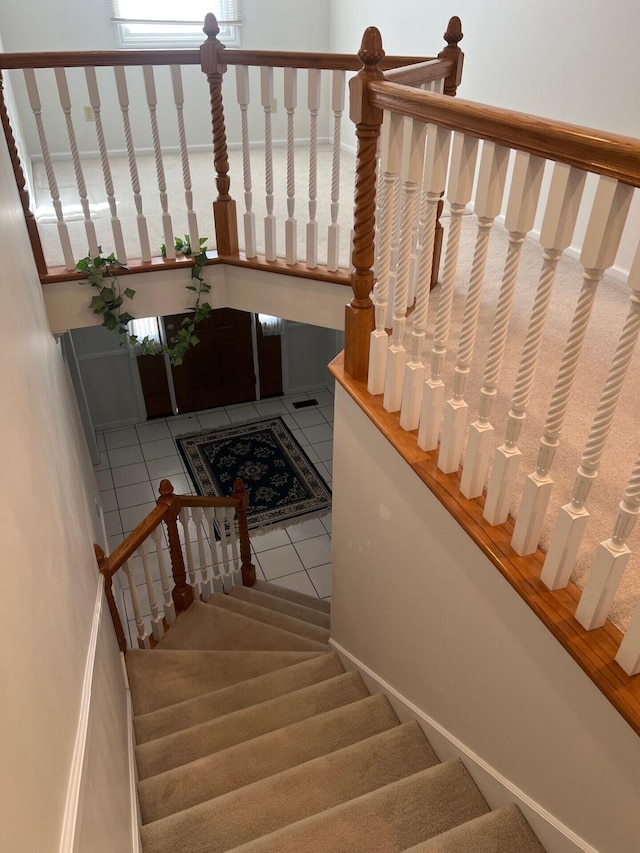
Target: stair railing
210 552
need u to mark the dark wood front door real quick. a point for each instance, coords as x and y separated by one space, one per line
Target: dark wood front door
219 370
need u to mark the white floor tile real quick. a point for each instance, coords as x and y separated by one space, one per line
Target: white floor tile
321 579
242 413
108 500
288 402
324 398
125 456
100 441
129 474
133 515
153 431
324 450
104 480
308 417
327 413
324 471
211 420
279 561
183 424
270 539
121 438
300 437
319 433
314 552
167 466
271 407
300 582
289 421
104 463
112 523
137 493
326 522
305 529
158 449
313 456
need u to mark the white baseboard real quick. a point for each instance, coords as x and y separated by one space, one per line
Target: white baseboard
74 789
496 788
136 817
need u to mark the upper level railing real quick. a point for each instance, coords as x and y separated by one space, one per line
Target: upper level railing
210 554
137 173
457 396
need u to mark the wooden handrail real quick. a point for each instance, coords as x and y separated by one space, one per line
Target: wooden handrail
585 148
134 540
422 72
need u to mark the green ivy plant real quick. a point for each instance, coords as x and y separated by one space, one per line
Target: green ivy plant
101 274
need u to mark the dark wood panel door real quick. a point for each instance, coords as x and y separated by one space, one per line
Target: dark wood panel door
219 371
269 363
155 385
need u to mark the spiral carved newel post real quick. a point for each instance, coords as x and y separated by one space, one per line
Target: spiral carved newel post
224 207
359 314
182 593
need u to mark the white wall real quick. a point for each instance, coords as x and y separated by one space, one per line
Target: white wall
418 603
48 524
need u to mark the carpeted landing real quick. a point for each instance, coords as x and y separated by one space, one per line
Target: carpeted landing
251 737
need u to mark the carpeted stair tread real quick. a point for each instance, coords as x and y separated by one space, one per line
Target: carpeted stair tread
164 753
208 628
217 774
282 605
292 795
217 703
496 832
270 617
387 820
292 595
158 678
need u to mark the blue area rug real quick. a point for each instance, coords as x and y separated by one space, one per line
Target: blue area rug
282 482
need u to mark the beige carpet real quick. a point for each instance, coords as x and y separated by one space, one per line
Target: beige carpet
285 751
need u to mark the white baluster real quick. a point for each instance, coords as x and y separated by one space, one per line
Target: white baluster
212 523
561 213
178 98
236 570
521 210
415 134
249 218
337 108
184 517
610 559
464 153
157 628
169 606
144 639
226 552
36 107
489 191
206 583
313 103
608 215
152 102
266 92
435 174
116 225
65 103
123 98
391 152
290 226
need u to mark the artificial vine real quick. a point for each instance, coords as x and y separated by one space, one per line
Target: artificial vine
101 274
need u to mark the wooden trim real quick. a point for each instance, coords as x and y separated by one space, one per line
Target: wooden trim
423 72
182 592
248 570
585 148
200 500
134 540
594 651
108 590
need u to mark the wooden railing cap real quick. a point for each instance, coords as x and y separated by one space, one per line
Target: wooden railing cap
371 52
453 33
210 28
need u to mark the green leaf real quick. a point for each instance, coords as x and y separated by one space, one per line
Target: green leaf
194 340
191 287
129 293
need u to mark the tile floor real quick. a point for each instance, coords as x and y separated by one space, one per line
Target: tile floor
135 459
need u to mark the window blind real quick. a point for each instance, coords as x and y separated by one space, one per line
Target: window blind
227 12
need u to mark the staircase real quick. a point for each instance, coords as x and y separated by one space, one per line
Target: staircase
251 737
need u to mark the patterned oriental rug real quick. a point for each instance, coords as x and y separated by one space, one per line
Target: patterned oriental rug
282 482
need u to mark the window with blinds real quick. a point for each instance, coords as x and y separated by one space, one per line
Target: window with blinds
167 23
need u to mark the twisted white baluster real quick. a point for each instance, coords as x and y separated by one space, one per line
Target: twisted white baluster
313 103
184 517
434 178
116 225
206 583
290 226
337 107
561 212
36 107
521 210
169 606
152 102
178 98
65 103
123 98
266 91
388 195
416 133
491 181
212 522
157 628
144 640
249 218
464 153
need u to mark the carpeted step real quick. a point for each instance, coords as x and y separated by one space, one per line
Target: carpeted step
208 628
281 605
291 595
164 753
217 774
292 795
217 703
496 832
270 617
158 678
386 820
